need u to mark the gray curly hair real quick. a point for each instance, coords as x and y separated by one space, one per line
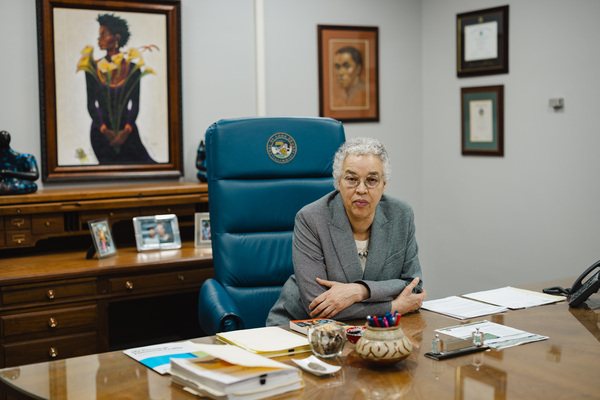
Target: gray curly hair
360 146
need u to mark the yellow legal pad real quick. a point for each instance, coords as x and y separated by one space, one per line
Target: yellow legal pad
270 341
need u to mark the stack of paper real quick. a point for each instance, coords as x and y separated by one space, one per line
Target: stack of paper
495 335
229 372
460 308
514 298
270 341
489 302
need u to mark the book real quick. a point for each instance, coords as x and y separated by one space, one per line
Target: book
230 372
302 325
270 341
157 357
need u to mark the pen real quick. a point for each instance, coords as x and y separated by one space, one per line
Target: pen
376 322
385 321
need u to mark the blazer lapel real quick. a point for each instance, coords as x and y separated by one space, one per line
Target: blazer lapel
378 246
343 241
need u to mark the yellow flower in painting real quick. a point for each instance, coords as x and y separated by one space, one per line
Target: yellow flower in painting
106 67
88 50
133 53
84 63
118 77
117 58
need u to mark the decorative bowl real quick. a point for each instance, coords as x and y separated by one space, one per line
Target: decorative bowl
354 333
384 345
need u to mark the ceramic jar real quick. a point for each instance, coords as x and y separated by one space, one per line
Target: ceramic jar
384 345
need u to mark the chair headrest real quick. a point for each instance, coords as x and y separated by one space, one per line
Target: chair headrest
272 147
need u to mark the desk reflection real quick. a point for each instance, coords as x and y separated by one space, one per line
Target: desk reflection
480 381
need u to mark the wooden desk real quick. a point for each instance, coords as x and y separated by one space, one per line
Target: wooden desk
54 303
64 306
564 366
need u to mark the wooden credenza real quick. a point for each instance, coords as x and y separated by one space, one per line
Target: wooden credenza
55 303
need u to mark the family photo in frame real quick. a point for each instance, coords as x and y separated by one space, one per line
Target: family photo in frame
348 73
157 232
202 235
110 87
102 238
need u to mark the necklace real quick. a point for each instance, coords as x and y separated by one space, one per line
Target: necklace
363 248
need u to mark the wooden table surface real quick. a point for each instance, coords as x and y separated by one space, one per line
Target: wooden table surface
566 366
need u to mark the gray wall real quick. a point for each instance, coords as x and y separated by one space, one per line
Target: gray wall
533 214
481 222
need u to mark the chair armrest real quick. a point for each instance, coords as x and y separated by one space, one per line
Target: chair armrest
217 312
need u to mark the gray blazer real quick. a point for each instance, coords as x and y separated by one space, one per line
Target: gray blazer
324 247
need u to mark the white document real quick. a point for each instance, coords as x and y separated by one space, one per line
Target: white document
238 356
158 356
460 308
481 41
271 340
514 298
481 121
495 335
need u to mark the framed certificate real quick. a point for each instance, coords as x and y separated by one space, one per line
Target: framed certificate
482 42
482 120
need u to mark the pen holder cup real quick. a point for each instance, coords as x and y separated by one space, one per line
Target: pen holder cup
384 345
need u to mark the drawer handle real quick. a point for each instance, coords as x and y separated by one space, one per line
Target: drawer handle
18 238
47 223
50 294
18 222
129 285
52 322
181 278
53 352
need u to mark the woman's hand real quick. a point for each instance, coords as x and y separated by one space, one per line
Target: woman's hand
336 298
121 137
407 301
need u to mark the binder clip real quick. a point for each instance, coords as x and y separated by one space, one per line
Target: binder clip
448 348
477 338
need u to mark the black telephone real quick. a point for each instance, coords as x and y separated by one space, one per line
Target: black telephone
580 290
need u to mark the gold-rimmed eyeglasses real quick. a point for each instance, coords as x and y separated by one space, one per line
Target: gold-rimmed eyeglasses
353 181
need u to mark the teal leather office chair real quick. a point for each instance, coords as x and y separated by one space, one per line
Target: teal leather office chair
260 172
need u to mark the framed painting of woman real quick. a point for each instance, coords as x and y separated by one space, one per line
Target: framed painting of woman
110 86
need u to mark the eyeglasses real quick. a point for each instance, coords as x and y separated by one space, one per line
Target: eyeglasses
353 181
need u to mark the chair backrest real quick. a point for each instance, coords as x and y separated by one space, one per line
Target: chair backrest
260 172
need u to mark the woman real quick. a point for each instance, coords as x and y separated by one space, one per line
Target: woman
113 99
354 250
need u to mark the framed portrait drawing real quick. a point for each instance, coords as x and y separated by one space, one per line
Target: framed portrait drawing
349 72
102 238
202 234
157 232
110 89
482 42
482 120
